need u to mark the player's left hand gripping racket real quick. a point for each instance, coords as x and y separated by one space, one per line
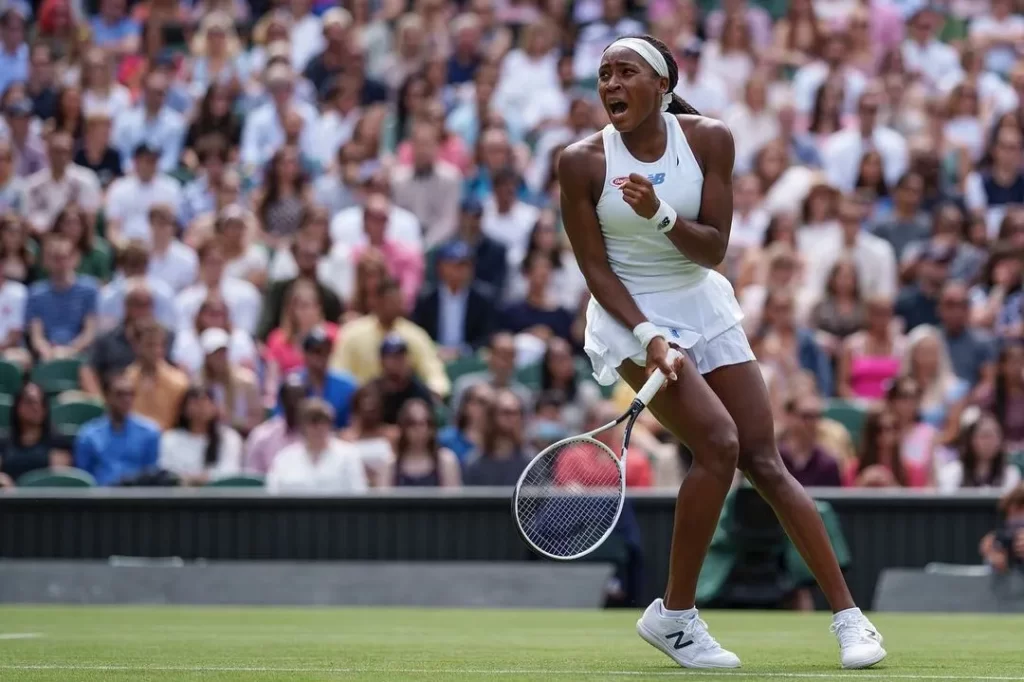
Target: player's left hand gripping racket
569 498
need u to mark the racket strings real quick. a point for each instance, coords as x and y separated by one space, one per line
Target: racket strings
569 498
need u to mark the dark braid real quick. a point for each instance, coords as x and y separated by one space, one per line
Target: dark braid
678 104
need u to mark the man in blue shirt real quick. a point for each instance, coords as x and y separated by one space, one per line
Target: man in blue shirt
337 388
13 49
61 311
118 445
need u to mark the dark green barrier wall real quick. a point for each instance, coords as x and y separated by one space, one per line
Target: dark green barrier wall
882 531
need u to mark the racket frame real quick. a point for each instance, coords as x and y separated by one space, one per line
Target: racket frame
639 404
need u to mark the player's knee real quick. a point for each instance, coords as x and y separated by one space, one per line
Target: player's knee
765 468
721 451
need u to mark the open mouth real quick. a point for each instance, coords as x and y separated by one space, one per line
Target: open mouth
617 107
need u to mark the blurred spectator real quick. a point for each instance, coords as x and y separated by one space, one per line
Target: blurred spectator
457 313
466 433
843 151
95 151
1001 186
983 460
841 311
131 197
13 301
1004 548
781 342
918 303
14 53
558 375
580 466
133 262
507 219
170 261
400 225
281 202
263 132
25 139
159 386
300 316
152 125
870 358
804 459
59 183
272 436
305 253
10 186
357 350
246 260
338 43
215 130
920 450
926 360
489 254
397 381
923 53
500 372
318 461
428 186
566 285
33 442
61 311
200 448
234 387
905 222
972 351
420 461
115 348
1005 396
948 232
502 456
878 463
536 314
370 435
17 259
592 40
242 298
187 351
334 387
94 256
119 445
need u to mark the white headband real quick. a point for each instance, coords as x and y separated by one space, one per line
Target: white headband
652 56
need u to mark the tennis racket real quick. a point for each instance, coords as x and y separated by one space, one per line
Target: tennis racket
569 498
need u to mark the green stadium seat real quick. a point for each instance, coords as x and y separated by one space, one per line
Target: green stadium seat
68 417
530 375
850 415
56 478
56 376
240 481
11 378
466 365
6 408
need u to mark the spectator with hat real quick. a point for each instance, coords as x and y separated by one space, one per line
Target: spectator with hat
187 351
489 255
457 313
131 197
319 461
334 387
152 124
357 349
397 382
235 389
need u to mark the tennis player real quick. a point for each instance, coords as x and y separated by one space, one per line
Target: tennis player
647 205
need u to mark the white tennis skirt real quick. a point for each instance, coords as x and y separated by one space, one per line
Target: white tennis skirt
703 319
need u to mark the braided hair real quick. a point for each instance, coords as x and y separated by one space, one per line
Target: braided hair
678 104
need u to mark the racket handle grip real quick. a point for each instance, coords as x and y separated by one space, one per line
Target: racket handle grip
656 380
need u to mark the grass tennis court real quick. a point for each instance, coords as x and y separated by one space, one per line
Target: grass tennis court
42 644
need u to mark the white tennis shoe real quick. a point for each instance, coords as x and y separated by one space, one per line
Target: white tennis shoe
860 643
685 640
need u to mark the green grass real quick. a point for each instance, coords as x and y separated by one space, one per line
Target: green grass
299 645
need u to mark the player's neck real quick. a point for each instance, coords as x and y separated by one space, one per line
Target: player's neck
648 141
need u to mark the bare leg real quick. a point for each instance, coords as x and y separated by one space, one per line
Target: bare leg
690 410
741 389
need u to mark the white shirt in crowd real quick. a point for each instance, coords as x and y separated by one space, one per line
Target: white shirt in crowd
521 76
13 297
43 197
749 229
706 93
178 266
263 134
338 469
252 261
950 477
750 131
129 200
842 153
243 300
592 41
810 77
934 61
999 58
873 257
187 353
347 227
511 229
307 39
184 453
329 132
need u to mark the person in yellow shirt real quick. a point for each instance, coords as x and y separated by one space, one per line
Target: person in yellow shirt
159 386
357 347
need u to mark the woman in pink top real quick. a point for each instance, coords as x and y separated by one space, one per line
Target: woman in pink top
871 358
880 463
917 438
300 315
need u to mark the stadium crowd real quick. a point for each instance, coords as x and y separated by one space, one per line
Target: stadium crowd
319 242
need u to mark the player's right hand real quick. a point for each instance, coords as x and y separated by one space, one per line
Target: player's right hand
657 359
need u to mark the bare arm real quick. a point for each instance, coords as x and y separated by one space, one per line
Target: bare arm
576 167
38 338
704 240
85 339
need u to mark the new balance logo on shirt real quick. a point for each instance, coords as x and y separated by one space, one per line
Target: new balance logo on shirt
678 637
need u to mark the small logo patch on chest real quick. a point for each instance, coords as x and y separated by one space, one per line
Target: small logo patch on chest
619 181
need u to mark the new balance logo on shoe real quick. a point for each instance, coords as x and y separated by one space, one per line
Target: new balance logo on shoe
679 643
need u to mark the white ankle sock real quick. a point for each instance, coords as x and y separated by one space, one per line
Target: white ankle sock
853 612
685 613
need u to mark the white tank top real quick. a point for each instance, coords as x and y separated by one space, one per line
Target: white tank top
644 259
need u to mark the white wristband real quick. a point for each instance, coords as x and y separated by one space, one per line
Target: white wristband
645 332
664 219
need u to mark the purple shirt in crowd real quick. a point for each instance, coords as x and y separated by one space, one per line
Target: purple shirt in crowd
821 469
